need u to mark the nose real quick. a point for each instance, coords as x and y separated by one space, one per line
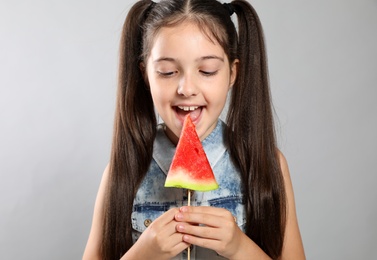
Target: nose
187 87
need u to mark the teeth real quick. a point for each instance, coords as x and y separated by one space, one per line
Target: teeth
188 108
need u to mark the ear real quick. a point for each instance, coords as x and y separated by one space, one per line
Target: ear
233 72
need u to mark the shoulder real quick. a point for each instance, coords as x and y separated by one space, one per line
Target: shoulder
287 179
284 166
286 174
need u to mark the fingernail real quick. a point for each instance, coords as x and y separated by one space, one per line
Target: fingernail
183 209
180 228
185 238
179 216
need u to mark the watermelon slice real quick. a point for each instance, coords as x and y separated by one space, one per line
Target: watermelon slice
190 168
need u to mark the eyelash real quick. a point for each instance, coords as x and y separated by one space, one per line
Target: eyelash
208 73
171 73
165 74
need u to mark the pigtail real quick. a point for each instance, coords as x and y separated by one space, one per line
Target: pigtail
252 138
134 132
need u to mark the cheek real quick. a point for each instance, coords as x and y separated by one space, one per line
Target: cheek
162 90
160 96
156 95
219 94
154 88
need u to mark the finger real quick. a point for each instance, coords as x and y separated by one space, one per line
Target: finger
162 221
167 217
181 245
221 212
202 242
174 242
201 231
167 240
206 219
168 230
163 227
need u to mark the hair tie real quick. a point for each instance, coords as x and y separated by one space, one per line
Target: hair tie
229 7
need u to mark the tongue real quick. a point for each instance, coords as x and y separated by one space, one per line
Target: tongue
193 114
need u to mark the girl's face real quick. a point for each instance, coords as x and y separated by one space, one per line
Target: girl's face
188 74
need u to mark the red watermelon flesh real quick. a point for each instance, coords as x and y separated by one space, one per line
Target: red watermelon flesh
190 168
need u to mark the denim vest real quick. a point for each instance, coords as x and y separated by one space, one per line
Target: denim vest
153 199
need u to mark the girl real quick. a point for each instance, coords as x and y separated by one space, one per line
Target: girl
180 57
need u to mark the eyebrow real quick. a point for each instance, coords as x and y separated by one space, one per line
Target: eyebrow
164 59
209 57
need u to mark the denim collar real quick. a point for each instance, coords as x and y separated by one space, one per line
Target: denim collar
164 149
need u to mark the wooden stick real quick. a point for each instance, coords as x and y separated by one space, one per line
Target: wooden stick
188 204
189 197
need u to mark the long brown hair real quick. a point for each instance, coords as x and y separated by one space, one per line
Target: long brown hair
250 134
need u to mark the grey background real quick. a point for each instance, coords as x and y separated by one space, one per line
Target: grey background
58 67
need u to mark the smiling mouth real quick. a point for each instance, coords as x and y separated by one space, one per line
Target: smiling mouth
194 111
185 108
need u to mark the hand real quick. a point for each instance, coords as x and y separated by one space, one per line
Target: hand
218 230
160 240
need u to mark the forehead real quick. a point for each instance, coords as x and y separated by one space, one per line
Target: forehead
185 39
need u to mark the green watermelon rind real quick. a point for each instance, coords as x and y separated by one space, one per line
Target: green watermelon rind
181 179
196 187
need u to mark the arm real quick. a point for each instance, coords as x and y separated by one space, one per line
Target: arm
293 247
92 249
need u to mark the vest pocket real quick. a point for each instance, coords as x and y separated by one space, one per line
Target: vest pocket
235 205
144 214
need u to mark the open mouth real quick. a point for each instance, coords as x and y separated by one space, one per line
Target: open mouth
185 108
194 111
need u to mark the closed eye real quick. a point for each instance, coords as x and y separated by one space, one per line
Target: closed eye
166 74
208 73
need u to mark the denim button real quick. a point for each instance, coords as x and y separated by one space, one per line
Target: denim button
147 222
